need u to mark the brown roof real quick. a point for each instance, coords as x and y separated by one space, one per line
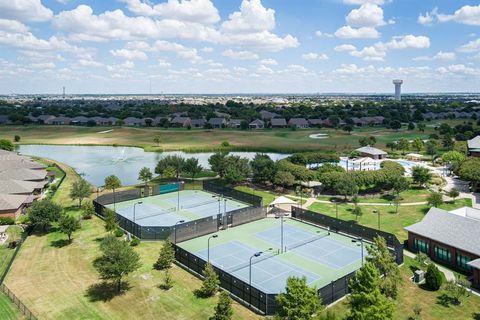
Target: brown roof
12 201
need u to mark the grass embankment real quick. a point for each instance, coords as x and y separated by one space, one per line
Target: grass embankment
7 309
389 220
430 302
284 140
58 281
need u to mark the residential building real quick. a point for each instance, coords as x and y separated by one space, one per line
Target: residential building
278 123
180 122
235 123
198 123
300 123
372 152
267 115
218 122
256 124
13 205
474 147
133 122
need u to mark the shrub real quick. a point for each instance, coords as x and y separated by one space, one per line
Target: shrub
7 221
135 242
433 278
225 144
118 233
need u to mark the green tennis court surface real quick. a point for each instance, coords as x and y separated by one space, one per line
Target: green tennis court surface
167 209
309 251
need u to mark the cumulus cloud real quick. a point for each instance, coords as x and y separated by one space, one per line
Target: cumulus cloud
358 2
321 34
240 55
314 56
199 11
428 18
347 32
368 15
369 54
24 10
129 54
469 15
442 56
269 62
345 47
471 46
12 26
406 42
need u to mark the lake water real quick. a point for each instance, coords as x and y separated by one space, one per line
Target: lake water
95 163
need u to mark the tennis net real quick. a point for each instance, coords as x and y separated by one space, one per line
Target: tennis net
263 257
155 213
188 206
308 240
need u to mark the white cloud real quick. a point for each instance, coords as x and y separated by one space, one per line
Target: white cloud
269 62
442 56
314 56
459 69
469 15
357 2
264 70
406 42
240 55
471 46
207 49
368 15
261 41
90 63
12 26
348 32
44 65
345 47
428 18
321 34
369 54
198 11
129 54
163 63
24 10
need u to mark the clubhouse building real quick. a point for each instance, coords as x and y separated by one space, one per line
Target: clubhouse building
474 147
22 181
450 238
372 152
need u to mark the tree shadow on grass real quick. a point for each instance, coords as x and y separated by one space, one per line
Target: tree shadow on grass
60 243
444 300
105 291
476 316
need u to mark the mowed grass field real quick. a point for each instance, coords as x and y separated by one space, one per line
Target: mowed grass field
7 309
58 281
284 140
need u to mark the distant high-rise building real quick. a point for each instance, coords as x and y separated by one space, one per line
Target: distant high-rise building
63 95
398 89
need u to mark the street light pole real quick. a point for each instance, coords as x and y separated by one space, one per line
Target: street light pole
336 207
378 216
256 255
208 246
361 244
175 230
134 205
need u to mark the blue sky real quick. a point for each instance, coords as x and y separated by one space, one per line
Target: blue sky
238 46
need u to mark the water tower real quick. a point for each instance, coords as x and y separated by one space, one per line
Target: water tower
398 89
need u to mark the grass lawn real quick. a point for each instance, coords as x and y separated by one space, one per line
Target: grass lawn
389 220
267 196
57 280
7 310
284 140
411 294
14 233
410 195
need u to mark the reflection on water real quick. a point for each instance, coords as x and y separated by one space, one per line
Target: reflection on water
94 163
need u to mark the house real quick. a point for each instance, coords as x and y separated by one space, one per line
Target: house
100 121
473 146
112 121
59 121
20 187
267 115
372 152
133 122
256 124
13 205
217 122
300 123
4 119
24 174
449 238
197 123
45 118
316 122
181 122
79 121
235 123
278 123
20 163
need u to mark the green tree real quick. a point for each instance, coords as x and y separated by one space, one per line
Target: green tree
396 125
6 145
145 175
172 161
284 179
299 300
157 140
110 219
366 302
217 163
192 167
399 184
346 186
421 175
453 156
223 310
112 182
367 141
118 259
447 142
431 148
435 199
68 225
80 190
237 169
469 170
417 144
457 290
403 145
167 280
384 261
411 126
433 277
263 168
166 257
453 193
16 138
44 213
88 210
348 128
421 127
210 282
357 211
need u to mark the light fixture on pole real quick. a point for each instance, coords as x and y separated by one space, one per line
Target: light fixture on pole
175 230
208 246
361 244
134 205
335 201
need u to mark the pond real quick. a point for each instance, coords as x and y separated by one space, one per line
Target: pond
94 163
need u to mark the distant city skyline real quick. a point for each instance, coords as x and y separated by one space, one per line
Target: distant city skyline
238 46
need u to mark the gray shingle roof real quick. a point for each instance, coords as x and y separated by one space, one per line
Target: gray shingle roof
19 163
474 143
371 150
23 174
279 122
451 229
17 186
12 201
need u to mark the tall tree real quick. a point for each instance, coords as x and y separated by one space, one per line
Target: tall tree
384 261
44 213
403 145
469 170
110 218
237 169
263 168
284 179
346 186
299 300
210 282
435 199
421 175
433 277
157 140
6 145
80 190
217 163
145 175
166 257
192 167
112 182
171 161
68 225
366 302
118 259
417 144
399 184
453 193
223 310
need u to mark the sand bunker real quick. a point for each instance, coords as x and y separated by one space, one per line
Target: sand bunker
106 131
318 136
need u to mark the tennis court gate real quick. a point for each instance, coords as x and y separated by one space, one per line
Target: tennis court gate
351 229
